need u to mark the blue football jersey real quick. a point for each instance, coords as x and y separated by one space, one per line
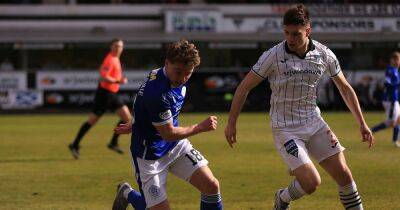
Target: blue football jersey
157 103
392 81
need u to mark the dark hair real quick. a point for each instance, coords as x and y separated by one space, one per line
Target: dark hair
297 16
395 54
183 52
115 40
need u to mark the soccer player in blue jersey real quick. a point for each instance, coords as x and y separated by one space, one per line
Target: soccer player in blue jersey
391 98
159 144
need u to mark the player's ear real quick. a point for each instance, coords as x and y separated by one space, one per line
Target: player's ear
308 31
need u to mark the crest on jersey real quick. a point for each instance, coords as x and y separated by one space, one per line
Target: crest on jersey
154 191
291 148
165 115
318 58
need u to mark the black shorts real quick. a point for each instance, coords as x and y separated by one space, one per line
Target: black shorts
104 100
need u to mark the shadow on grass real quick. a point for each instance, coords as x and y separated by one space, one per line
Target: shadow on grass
30 160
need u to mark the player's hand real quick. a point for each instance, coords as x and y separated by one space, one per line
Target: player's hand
367 136
208 124
124 80
123 128
230 134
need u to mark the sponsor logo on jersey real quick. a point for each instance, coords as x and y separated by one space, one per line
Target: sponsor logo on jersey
154 191
305 71
165 115
291 148
153 75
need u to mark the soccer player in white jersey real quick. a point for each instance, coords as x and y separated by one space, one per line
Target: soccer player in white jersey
293 69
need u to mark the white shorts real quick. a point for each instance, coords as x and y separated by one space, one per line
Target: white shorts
151 175
296 144
388 106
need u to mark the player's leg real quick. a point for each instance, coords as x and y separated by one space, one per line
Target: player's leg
380 126
152 187
336 167
327 150
92 120
192 167
99 107
307 178
396 127
385 124
85 127
125 117
397 142
125 195
208 185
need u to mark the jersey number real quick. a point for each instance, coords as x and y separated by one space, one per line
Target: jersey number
194 156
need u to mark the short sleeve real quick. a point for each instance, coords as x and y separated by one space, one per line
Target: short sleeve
159 109
391 77
264 64
332 63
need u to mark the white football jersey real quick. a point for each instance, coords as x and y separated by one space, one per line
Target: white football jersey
293 81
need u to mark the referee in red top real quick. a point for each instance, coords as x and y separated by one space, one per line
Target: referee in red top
106 97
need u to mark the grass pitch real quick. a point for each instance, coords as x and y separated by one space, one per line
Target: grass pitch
38 172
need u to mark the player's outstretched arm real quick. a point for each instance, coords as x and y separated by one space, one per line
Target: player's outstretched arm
350 98
249 82
170 133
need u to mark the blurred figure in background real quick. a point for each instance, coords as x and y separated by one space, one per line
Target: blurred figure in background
106 97
391 98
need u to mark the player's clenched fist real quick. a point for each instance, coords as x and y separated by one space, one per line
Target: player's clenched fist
208 124
123 128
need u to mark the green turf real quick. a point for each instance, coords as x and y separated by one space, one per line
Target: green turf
38 172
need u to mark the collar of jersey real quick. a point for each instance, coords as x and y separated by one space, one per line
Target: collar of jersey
169 81
391 67
310 47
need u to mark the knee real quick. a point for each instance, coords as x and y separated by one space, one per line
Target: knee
92 121
311 185
93 118
212 186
